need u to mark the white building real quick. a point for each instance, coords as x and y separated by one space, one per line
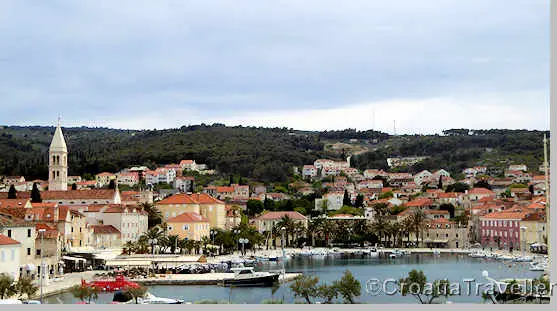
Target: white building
9 256
422 176
332 201
309 171
103 179
130 220
184 183
128 178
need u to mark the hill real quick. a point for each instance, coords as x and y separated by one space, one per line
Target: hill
264 154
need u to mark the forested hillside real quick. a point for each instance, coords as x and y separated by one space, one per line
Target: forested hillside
265 154
459 149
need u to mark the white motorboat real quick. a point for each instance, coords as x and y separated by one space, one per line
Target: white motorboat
538 266
372 252
436 252
151 299
523 259
246 276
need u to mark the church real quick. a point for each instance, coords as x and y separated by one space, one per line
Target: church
58 162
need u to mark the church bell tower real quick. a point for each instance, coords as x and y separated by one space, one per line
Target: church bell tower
58 161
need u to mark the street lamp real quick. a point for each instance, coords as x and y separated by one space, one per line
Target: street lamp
523 229
153 242
283 231
42 231
236 232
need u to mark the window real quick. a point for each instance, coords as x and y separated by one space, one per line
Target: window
9 233
28 251
186 227
28 233
2 256
169 227
72 229
38 252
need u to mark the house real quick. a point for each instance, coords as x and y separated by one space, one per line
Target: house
241 191
422 176
188 165
476 194
322 163
128 178
86 184
267 221
103 179
233 216
189 225
202 203
24 233
370 184
130 220
443 233
224 192
331 201
10 180
309 171
74 179
400 179
184 183
371 173
518 167
501 230
9 256
105 236
437 214
419 203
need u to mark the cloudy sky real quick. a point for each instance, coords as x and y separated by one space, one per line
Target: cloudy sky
423 65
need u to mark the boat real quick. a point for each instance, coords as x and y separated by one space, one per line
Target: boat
436 252
538 266
118 283
246 276
10 302
523 259
372 252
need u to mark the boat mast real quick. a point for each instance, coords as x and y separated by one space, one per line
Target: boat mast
548 221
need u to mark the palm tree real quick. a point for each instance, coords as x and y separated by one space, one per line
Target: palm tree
288 224
379 227
204 241
418 221
26 287
172 241
406 227
154 215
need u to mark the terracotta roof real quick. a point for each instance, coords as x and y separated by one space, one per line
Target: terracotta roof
279 215
104 229
43 204
17 212
430 211
448 195
188 217
341 215
225 189
4 240
439 221
180 198
184 162
7 220
78 194
419 202
505 215
19 195
204 198
480 191
105 174
13 202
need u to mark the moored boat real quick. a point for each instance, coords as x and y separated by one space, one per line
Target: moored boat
246 276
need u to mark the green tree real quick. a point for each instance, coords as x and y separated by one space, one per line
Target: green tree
12 193
74 186
386 195
328 292
416 284
305 286
35 194
346 200
348 287
25 287
457 187
85 292
112 184
154 216
359 201
7 288
448 207
172 241
254 207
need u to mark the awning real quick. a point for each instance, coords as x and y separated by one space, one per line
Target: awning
129 263
73 258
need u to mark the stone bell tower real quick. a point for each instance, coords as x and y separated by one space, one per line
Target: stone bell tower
58 161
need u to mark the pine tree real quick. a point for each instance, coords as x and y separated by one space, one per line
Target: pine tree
346 200
74 186
440 185
12 193
112 184
35 194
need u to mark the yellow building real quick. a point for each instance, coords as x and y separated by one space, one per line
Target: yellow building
189 225
202 204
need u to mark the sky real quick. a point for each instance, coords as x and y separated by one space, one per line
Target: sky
398 66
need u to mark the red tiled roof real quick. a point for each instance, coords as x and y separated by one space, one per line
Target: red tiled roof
180 198
225 189
19 195
505 215
480 191
78 194
184 162
104 229
432 212
4 240
419 202
43 204
50 232
188 217
13 202
279 215
448 195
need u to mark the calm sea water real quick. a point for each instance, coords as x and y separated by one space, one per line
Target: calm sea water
456 268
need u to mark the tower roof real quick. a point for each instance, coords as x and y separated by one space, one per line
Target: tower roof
58 143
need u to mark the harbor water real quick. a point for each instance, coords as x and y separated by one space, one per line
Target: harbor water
457 268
